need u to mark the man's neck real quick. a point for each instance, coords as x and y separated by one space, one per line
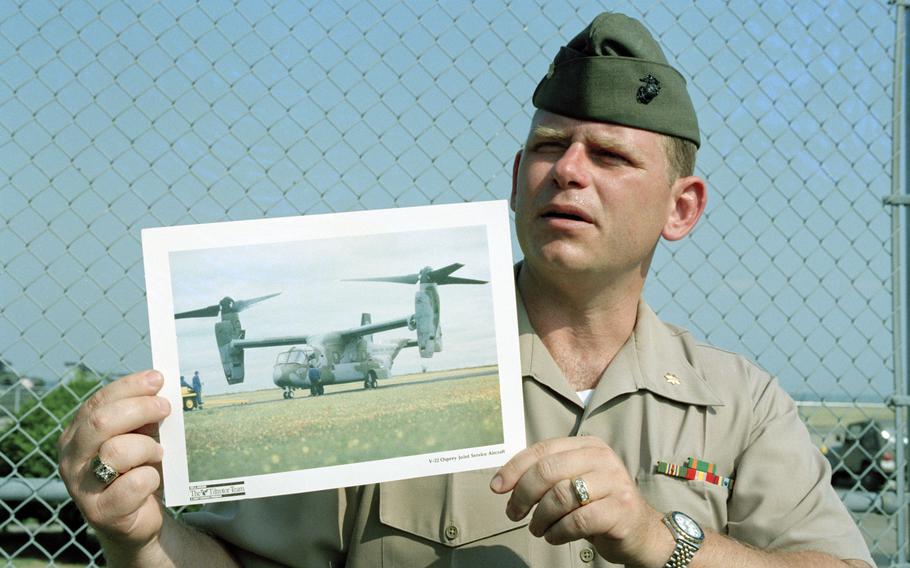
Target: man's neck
582 321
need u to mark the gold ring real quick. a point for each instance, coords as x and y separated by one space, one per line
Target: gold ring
581 491
103 472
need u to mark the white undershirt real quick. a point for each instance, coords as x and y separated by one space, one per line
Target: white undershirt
585 396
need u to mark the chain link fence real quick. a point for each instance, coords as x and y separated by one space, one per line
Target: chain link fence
116 116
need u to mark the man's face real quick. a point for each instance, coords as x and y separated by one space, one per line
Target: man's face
590 196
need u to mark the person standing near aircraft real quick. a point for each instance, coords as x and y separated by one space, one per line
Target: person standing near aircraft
314 376
197 388
606 172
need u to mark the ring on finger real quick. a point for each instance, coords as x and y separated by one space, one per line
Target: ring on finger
103 472
581 491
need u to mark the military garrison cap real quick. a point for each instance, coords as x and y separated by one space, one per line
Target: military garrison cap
614 71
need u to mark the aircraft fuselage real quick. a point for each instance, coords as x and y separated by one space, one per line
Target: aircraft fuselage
359 361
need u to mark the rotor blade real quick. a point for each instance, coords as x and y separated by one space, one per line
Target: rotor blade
208 312
241 305
406 279
457 280
441 273
438 276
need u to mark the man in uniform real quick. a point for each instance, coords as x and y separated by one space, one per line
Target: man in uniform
649 449
197 388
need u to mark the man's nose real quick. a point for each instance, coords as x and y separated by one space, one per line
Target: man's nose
571 169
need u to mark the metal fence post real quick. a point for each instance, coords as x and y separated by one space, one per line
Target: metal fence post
900 390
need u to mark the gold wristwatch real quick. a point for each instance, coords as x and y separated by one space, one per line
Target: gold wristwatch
688 535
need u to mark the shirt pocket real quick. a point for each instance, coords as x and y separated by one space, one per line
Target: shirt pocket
459 524
703 501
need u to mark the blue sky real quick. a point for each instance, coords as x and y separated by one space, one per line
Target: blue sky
115 116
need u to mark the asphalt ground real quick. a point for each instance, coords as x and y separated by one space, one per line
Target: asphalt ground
269 395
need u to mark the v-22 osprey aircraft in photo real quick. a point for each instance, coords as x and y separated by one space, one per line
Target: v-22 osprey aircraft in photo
345 356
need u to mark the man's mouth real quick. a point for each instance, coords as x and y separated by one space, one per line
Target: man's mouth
566 212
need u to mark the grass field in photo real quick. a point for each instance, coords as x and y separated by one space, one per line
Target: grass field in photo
258 432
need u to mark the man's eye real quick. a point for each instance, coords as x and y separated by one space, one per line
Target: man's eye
610 156
549 147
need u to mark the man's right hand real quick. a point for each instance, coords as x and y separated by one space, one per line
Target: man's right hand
119 424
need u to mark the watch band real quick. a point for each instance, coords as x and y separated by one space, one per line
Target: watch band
686 544
682 555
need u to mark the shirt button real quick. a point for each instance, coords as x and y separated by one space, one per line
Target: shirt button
451 532
586 554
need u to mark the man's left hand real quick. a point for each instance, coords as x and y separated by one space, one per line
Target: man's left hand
616 520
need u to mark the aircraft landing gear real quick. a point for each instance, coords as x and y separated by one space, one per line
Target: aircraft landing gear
371 381
288 393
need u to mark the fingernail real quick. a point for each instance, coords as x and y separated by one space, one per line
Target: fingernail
496 483
153 378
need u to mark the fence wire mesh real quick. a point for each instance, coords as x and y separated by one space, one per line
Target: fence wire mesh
117 116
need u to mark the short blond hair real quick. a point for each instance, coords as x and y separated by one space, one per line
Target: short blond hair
680 157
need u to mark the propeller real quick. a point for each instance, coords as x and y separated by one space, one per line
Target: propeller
227 305
439 276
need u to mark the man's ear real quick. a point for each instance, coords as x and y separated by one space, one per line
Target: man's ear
689 196
515 164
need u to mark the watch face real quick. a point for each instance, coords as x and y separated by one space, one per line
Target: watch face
688 526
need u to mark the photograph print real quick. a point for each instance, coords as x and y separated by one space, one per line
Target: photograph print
334 350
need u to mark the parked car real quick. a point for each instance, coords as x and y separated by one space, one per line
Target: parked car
864 456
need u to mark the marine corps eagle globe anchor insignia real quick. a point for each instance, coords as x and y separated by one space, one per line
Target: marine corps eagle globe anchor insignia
649 90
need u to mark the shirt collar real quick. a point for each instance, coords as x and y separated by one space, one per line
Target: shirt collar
656 358
536 361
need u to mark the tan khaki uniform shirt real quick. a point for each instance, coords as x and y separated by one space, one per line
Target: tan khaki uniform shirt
724 410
